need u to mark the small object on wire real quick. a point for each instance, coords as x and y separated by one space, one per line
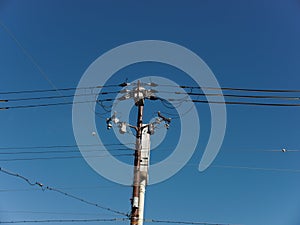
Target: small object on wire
283 150
39 184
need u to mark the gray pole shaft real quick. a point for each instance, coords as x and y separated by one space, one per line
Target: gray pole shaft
137 160
144 166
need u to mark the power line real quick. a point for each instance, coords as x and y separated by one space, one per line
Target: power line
256 168
77 151
183 222
110 150
239 103
62 89
65 188
61 146
171 100
61 151
39 68
110 220
68 188
39 105
55 97
61 157
237 89
52 212
177 93
128 84
28 55
164 101
44 187
249 103
182 100
294 98
50 104
245 167
64 220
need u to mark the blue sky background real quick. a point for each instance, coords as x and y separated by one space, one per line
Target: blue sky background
247 44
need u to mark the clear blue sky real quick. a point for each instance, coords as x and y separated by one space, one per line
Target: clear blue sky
247 44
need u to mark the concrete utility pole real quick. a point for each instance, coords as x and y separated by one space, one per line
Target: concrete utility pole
137 160
142 148
140 179
145 159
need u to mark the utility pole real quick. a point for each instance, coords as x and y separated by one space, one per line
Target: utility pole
134 220
142 147
145 159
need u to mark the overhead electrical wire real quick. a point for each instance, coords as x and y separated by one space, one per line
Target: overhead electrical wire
49 104
64 220
39 105
55 97
294 98
61 157
44 187
248 103
109 220
247 89
240 103
53 212
242 167
183 222
69 151
65 188
10 150
62 151
127 216
257 168
13 152
166 102
39 68
234 89
124 84
28 55
170 100
61 89
43 73
63 146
